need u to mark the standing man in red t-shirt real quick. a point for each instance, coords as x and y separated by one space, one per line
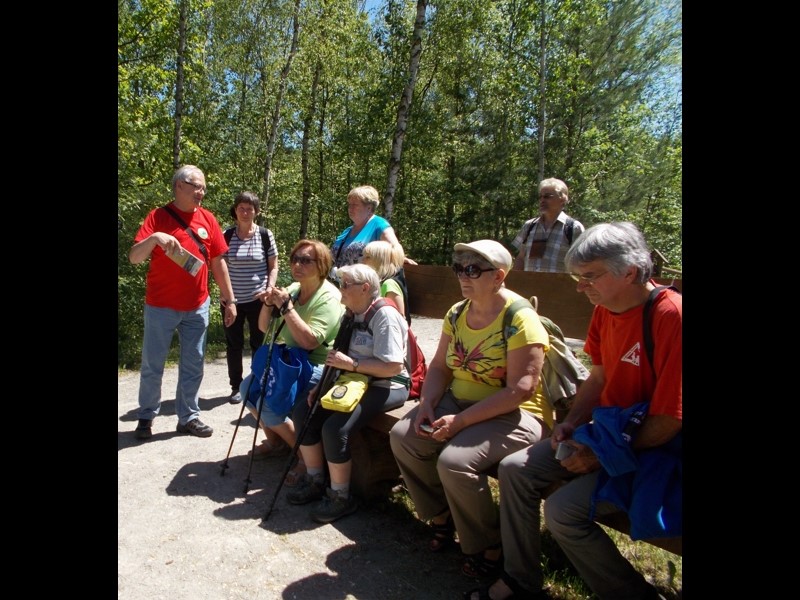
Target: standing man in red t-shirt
177 299
612 265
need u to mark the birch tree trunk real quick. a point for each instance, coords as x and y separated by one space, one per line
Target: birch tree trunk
276 113
403 109
176 139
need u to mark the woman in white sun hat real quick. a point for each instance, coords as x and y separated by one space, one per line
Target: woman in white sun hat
481 400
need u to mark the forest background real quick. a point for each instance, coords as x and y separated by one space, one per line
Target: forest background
453 109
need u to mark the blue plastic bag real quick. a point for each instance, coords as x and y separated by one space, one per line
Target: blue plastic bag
288 376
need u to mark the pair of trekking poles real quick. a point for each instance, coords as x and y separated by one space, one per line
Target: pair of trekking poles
329 374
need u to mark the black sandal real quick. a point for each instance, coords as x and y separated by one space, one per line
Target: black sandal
442 535
479 567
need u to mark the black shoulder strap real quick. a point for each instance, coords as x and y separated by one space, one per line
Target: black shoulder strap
569 227
264 241
530 228
228 234
190 231
457 311
647 320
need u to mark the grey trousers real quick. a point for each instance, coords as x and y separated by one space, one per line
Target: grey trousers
523 475
453 474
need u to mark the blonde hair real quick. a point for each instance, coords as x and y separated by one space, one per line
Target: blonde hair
366 194
385 258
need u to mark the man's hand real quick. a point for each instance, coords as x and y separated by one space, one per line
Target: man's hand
583 460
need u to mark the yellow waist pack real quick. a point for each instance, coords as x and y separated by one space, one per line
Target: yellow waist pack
346 392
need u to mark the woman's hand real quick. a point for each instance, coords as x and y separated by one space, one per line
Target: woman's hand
444 428
310 397
424 415
338 360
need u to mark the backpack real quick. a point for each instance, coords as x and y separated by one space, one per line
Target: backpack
647 320
228 233
416 365
569 226
562 372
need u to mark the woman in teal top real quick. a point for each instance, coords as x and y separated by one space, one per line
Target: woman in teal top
362 202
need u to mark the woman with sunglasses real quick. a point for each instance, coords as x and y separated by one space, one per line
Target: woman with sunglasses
311 309
481 400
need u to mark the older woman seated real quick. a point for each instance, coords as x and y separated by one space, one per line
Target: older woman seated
379 354
481 400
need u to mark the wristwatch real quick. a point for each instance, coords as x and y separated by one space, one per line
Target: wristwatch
232 301
355 365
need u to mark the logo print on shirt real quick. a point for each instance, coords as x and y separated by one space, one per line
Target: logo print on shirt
632 355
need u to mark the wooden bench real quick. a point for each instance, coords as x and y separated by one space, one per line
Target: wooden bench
375 472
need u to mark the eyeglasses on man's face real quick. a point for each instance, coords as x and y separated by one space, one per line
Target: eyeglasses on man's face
587 278
295 259
471 271
347 284
196 186
548 195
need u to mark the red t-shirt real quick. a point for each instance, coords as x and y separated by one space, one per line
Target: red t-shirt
615 341
169 285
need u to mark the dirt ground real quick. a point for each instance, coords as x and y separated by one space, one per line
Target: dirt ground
186 531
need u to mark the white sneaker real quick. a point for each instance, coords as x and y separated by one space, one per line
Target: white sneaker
236 398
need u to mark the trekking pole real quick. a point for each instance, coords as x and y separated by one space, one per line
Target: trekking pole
261 399
224 465
326 380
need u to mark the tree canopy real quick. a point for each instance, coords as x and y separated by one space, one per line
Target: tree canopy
453 109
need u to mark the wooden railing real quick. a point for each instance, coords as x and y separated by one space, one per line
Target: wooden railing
434 289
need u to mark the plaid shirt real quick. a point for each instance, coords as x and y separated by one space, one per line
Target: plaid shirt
557 245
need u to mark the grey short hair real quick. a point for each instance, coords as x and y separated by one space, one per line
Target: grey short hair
182 173
559 186
619 244
361 273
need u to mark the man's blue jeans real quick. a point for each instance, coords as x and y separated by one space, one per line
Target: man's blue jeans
159 326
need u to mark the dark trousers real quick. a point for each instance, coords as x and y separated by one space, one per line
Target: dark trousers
234 338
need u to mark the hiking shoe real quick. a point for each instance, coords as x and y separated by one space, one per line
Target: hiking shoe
309 489
334 506
195 427
236 397
143 429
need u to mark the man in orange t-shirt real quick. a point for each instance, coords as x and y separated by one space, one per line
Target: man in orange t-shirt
612 265
177 299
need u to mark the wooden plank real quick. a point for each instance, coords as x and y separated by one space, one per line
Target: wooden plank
433 289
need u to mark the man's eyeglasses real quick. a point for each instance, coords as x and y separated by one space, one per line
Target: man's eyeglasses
197 186
548 195
471 271
302 260
346 284
587 279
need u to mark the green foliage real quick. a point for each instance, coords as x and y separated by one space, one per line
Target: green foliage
602 115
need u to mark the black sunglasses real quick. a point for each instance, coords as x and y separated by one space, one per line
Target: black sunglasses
471 271
303 260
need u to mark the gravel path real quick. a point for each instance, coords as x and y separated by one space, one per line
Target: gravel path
186 532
